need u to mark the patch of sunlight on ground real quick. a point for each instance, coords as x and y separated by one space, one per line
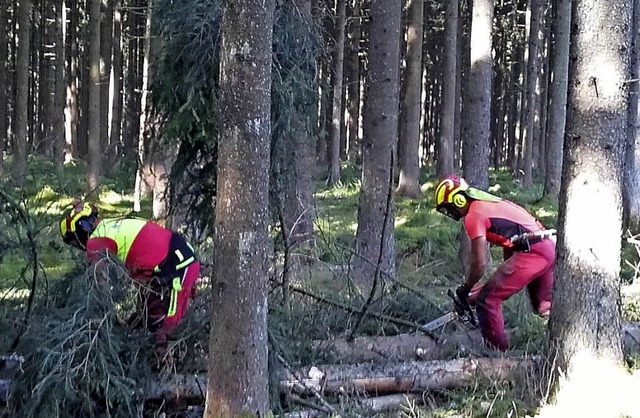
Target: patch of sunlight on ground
14 294
597 388
112 198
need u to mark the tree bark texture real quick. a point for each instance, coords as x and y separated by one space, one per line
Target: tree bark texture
94 169
337 74
4 120
585 320
561 27
410 110
299 211
352 75
632 171
533 96
444 164
20 138
476 105
380 133
238 342
60 83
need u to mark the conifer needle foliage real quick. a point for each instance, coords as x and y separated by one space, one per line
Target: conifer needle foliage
80 361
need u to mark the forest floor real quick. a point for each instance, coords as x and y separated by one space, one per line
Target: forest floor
324 306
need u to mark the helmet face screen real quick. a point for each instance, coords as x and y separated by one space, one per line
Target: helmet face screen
450 211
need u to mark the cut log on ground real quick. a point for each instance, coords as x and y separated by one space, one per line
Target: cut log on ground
406 347
377 379
401 347
410 376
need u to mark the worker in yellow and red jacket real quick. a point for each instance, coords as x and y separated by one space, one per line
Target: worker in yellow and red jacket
528 263
153 255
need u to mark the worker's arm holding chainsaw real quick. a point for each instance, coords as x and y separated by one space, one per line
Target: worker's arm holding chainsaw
477 267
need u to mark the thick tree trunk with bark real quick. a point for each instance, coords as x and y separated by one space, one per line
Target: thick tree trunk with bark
4 120
94 169
632 170
374 237
115 131
59 89
446 139
337 74
238 370
352 76
410 110
533 75
20 137
560 27
585 325
476 105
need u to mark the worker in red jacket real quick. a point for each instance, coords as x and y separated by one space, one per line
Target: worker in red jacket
153 255
527 262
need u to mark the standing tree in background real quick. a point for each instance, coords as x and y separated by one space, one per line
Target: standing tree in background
238 372
375 233
444 163
4 120
561 26
532 95
632 168
476 102
409 140
585 331
20 137
337 73
476 109
94 141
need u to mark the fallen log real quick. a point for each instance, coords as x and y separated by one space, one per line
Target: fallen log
401 347
361 378
410 376
406 347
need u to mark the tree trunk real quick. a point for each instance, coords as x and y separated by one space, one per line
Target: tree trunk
238 369
20 138
71 103
632 171
106 42
533 74
585 338
409 140
4 120
352 75
146 131
94 169
115 132
477 98
374 236
60 83
447 135
337 73
298 205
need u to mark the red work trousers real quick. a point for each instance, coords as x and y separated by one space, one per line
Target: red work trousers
533 270
157 305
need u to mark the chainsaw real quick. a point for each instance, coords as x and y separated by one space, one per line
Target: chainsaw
465 312
462 312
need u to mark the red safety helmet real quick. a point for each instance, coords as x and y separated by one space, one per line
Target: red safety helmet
450 196
78 223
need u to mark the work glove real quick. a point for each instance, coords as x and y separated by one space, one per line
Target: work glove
462 292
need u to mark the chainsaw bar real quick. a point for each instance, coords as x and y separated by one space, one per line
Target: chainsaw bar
459 312
439 322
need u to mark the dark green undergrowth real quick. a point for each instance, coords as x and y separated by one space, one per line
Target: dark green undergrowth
324 303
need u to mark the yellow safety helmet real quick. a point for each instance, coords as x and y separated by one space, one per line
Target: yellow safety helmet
450 196
78 223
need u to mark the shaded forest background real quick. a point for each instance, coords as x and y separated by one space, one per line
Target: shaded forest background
118 102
